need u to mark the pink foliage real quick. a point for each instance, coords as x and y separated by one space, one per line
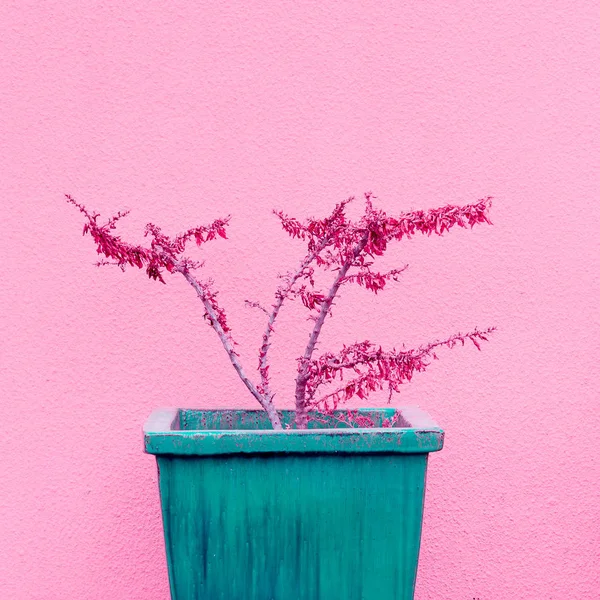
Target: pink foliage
376 229
336 244
163 252
371 368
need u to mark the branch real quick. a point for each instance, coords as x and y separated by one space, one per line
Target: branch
108 263
163 252
375 368
315 229
280 297
321 234
383 228
333 228
303 372
214 317
372 280
166 253
252 304
369 237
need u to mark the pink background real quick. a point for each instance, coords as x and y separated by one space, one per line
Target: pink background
186 111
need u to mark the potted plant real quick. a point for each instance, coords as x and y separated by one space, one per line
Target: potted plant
313 503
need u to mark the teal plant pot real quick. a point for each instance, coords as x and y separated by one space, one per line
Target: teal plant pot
328 513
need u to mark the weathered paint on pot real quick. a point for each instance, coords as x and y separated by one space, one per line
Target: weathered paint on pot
322 514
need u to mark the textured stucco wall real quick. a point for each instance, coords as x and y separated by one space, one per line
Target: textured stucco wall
185 111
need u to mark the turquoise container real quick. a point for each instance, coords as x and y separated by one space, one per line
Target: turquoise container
328 513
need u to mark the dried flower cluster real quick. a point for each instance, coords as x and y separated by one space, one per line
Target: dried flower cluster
337 244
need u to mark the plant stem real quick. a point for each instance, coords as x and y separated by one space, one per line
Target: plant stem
282 294
266 403
303 371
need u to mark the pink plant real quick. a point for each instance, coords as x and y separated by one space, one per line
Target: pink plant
334 244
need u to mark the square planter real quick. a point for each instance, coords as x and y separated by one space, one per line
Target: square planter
327 513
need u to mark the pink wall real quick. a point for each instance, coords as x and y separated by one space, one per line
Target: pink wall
185 111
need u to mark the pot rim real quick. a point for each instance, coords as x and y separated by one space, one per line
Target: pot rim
165 433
